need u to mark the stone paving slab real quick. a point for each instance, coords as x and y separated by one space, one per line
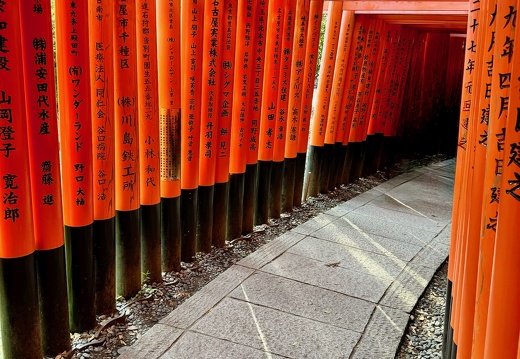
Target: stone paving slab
314 224
408 287
382 227
356 284
382 335
275 331
349 257
271 250
200 346
341 285
390 215
206 298
152 345
394 244
305 300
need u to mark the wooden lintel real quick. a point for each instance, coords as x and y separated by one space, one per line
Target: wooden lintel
405 7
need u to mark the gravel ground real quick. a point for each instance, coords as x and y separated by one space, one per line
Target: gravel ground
135 316
423 338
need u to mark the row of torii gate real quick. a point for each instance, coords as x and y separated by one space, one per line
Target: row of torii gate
181 124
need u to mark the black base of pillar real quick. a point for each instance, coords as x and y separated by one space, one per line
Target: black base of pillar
220 210
325 169
79 254
171 234
275 189
235 212
447 337
357 164
105 265
370 153
188 224
262 198
250 192
347 166
128 253
299 177
52 295
389 152
289 172
338 164
151 243
315 159
19 316
205 218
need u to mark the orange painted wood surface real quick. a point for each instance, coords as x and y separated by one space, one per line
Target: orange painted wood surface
210 97
282 103
326 75
192 14
273 58
340 73
297 78
126 106
16 229
148 94
243 86
42 126
75 112
501 221
262 7
311 58
101 27
169 82
225 106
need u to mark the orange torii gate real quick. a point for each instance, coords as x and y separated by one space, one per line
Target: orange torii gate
181 125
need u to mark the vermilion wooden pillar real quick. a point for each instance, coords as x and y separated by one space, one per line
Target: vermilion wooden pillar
365 94
503 324
336 151
319 119
296 92
76 159
169 78
192 18
268 107
486 248
210 118
450 341
280 128
311 58
250 183
42 134
127 179
240 122
19 314
473 193
101 28
149 141
223 133
373 119
349 96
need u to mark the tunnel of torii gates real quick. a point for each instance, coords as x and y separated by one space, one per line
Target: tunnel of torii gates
174 126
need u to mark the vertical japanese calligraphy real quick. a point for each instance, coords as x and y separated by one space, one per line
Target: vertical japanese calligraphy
102 87
127 179
42 126
126 106
75 114
42 133
148 114
169 70
18 291
191 82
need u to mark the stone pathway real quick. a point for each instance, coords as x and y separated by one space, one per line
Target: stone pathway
341 285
